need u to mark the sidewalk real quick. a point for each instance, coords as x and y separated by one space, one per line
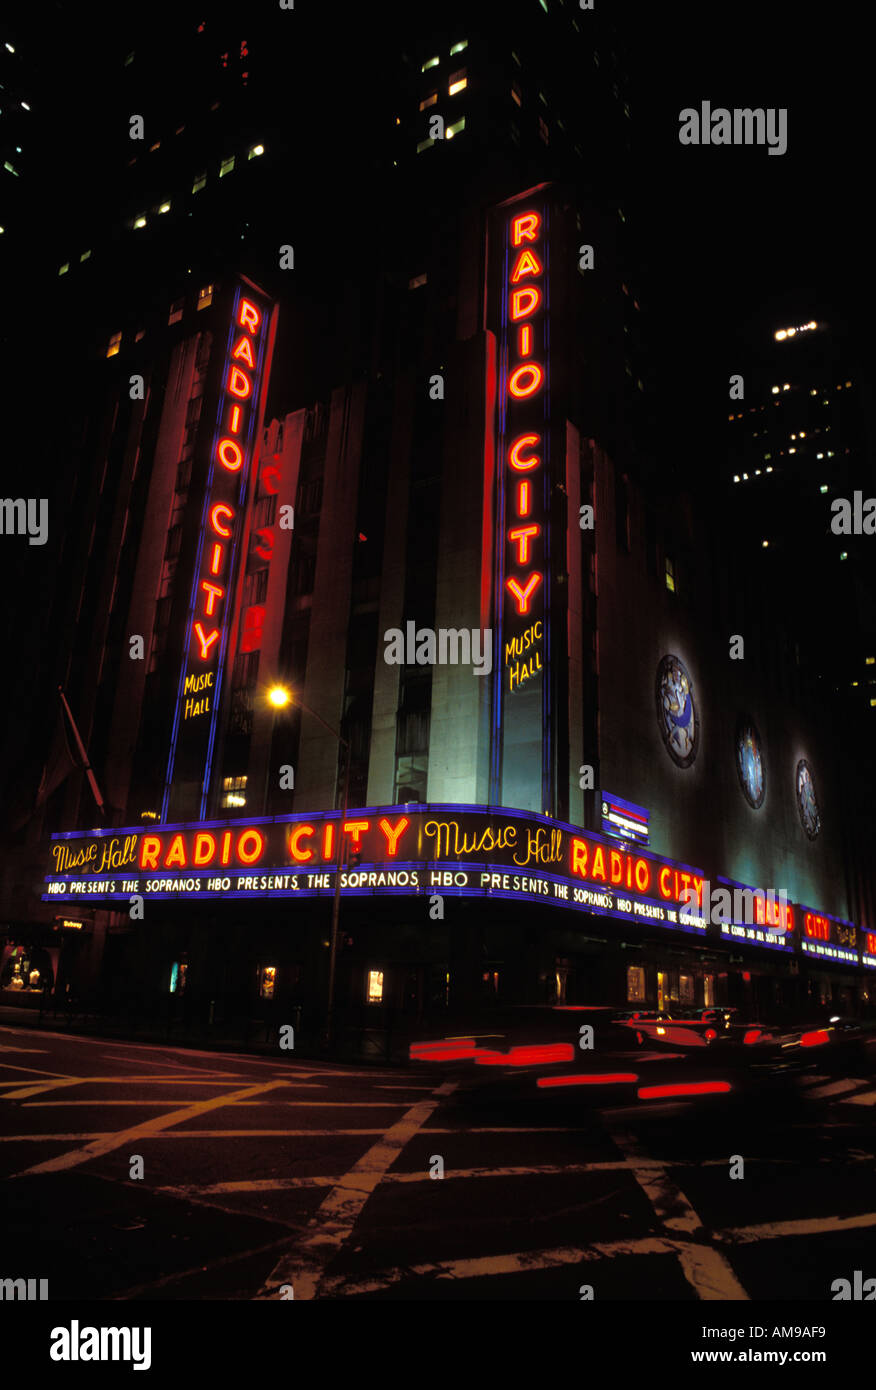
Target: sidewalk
255 1036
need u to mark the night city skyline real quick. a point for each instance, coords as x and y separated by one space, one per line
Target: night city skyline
440 712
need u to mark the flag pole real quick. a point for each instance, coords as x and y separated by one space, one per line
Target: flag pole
92 780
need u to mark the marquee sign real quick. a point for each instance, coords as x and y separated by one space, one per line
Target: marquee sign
521 592
239 416
829 938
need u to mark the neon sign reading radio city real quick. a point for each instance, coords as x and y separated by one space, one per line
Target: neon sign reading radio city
524 456
239 387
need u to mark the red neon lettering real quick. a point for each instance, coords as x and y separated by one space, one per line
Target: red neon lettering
234 424
579 857
354 829
177 853
216 558
221 509
328 839
239 384
393 835
230 455
533 372
213 591
243 353
522 596
526 227
271 478
871 943
643 875
258 841
524 334
598 867
663 885
266 549
523 499
205 848
301 856
516 462
525 302
520 535
205 641
249 316
615 866
150 848
527 263
225 857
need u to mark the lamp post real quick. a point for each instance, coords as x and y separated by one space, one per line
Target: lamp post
279 697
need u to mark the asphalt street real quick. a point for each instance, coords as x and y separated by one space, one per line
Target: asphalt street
269 1178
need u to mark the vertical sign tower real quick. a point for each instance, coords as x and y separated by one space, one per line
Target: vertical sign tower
521 775
233 457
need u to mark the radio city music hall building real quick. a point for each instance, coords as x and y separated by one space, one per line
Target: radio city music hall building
481 859
527 833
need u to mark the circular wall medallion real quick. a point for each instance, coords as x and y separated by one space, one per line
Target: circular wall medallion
749 762
807 801
677 711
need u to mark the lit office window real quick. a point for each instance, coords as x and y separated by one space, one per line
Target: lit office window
870 660
84 257
256 151
7 165
543 130
456 82
458 47
430 100
115 343
176 311
455 128
823 487
164 207
139 221
430 63
425 144
155 146
516 95
267 981
234 791
200 180
374 993
670 575
417 281
226 166
62 270
205 297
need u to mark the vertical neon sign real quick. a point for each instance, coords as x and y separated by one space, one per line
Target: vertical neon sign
240 408
522 579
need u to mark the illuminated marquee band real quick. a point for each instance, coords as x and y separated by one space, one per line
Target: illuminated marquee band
401 850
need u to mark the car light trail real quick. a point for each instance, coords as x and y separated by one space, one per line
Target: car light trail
681 1088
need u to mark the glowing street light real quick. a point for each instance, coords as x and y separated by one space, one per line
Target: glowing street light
279 696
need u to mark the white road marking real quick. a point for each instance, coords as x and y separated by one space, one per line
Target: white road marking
706 1269
835 1088
174 1100
867 1098
807 1226
332 1224
136 1133
23 1049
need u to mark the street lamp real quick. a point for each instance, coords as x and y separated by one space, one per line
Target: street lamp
279 697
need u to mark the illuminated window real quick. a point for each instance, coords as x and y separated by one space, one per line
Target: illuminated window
141 333
516 94
205 297
140 221
709 991
155 146
430 63
62 270
374 991
458 47
164 207
457 86
84 257
417 281
870 660
128 60
267 981
178 971
455 128
844 555
455 79
234 791
425 144
635 984
7 165
872 703
516 59
670 575
200 180
176 311
823 487
775 390
429 101
115 343
256 151
490 980
226 166
686 989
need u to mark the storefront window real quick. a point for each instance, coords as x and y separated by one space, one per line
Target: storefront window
178 977
27 970
490 979
686 989
375 987
708 991
636 984
267 981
